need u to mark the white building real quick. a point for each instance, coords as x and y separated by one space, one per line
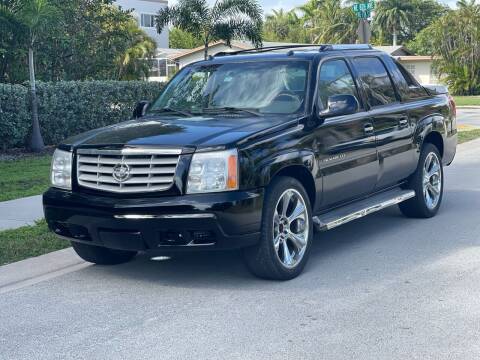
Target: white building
144 11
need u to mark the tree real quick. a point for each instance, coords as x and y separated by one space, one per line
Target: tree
391 16
225 20
179 39
86 47
422 14
334 23
35 16
455 40
132 63
284 26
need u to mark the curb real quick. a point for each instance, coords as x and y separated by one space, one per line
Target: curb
37 269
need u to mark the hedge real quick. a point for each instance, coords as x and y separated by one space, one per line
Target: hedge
69 107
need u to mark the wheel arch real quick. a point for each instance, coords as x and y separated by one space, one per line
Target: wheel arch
298 165
435 138
432 130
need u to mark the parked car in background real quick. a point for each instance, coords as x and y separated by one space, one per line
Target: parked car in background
256 150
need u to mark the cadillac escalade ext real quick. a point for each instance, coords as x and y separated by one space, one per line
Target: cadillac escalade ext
256 150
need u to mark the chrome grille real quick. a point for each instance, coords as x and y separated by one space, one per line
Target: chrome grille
129 170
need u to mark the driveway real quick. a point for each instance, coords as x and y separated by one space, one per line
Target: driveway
382 287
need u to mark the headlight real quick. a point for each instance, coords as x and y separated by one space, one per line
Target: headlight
62 169
213 172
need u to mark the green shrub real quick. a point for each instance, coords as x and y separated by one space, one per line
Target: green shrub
69 107
14 115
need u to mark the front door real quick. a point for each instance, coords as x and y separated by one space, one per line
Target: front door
346 152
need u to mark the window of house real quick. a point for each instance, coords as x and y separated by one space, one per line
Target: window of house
376 81
335 79
410 68
147 20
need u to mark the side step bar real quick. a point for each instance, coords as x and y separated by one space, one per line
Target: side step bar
361 208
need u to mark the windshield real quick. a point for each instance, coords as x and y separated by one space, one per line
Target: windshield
267 87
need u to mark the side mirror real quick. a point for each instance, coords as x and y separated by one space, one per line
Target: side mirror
140 109
339 105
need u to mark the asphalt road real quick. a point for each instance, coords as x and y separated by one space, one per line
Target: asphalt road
382 287
468 116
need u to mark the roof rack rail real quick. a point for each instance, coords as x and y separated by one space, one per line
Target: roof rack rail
348 47
321 47
264 49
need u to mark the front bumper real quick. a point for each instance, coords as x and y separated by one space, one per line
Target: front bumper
219 221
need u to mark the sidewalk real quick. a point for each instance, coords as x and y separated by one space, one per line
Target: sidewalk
20 212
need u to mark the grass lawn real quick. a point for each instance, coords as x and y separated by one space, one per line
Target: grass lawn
467 100
25 176
28 241
464 136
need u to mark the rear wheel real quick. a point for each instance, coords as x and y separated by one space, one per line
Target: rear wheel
101 255
286 234
427 181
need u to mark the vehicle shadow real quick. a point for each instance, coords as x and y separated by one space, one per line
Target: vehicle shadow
219 269
388 232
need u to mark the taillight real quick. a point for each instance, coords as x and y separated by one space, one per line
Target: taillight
453 105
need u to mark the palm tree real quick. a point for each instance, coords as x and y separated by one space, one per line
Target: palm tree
334 23
131 64
34 16
225 20
280 25
391 16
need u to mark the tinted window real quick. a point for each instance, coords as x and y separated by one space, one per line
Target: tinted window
335 79
377 83
414 90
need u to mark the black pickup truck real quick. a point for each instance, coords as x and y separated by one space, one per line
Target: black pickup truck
255 150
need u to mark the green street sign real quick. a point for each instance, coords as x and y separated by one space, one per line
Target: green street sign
364 10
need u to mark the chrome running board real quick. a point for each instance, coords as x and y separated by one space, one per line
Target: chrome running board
361 208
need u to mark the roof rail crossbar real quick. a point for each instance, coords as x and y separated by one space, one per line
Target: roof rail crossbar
321 47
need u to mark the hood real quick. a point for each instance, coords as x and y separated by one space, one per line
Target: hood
201 131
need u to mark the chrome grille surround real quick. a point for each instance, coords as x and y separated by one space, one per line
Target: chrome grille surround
149 169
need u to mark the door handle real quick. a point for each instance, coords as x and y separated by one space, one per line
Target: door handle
368 128
403 121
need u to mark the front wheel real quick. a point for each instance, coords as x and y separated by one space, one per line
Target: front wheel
286 234
427 181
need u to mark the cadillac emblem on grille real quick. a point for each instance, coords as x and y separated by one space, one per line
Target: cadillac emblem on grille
121 172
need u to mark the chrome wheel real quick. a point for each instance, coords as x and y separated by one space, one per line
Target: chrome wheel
291 226
432 180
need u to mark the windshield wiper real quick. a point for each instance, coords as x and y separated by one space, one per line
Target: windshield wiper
169 109
232 109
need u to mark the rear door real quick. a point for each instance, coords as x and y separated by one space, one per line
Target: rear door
391 121
346 144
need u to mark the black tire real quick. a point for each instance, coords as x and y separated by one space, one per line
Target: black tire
417 207
263 260
101 255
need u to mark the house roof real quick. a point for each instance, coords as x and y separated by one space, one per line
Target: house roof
399 50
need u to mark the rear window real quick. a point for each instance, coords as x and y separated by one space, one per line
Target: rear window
414 89
375 80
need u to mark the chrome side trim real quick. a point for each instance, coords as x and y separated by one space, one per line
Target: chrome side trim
328 225
166 216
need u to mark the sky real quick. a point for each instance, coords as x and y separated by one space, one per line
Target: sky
268 5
